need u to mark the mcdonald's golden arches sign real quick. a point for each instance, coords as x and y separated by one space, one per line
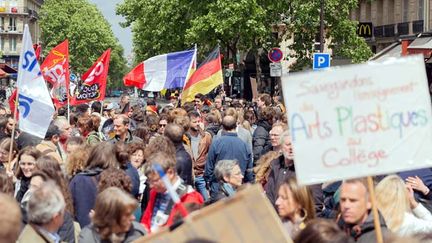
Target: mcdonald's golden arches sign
365 29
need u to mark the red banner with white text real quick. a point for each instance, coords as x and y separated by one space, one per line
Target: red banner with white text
55 70
94 81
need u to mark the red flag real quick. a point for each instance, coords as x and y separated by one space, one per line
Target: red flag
11 102
135 77
38 49
55 70
94 81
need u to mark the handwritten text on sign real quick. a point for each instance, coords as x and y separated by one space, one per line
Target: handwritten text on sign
360 120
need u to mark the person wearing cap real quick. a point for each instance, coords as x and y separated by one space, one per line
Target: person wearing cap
107 127
173 101
50 144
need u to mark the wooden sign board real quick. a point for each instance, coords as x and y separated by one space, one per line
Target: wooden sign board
247 217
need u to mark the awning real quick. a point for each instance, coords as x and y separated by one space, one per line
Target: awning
393 50
421 43
7 71
3 74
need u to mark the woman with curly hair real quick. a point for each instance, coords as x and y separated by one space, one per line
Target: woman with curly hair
113 219
114 177
76 161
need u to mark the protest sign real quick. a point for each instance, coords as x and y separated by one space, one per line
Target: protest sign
247 217
359 120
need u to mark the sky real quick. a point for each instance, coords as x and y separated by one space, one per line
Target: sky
107 7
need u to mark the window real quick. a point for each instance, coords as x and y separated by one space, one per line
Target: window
390 13
12 44
2 23
12 24
405 10
420 14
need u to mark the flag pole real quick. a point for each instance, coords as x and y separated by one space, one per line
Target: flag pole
8 167
68 107
102 108
377 224
171 191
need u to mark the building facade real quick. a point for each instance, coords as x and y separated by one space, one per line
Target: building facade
392 20
14 14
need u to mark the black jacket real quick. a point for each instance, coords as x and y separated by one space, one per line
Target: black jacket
364 233
261 139
24 186
281 172
184 164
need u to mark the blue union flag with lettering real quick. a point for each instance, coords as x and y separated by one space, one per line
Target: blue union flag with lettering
35 105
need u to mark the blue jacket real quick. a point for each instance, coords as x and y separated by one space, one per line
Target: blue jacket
228 146
132 172
83 188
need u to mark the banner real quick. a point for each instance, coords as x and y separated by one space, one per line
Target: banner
93 84
230 220
35 105
359 120
55 70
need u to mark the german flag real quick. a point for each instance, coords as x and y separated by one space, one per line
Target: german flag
207 77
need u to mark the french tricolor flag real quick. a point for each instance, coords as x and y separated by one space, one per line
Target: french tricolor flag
165 71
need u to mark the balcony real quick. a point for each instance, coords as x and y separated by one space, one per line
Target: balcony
32 14
13 10
389 30
403 28
379 31
417 26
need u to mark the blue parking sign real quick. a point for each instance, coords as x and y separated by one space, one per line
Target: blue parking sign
321 60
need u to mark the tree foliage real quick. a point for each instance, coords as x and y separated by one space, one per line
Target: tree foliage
303 23
161 26
88 32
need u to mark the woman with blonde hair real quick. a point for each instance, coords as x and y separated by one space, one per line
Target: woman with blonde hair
402 213
113 218
295 206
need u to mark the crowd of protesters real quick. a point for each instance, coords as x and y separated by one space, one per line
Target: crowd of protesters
96 177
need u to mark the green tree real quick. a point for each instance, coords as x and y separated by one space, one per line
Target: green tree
161 26
88 32
303 24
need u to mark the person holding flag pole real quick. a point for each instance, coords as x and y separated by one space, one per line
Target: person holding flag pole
168 193
36 108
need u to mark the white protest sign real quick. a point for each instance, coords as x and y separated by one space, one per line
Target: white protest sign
360 120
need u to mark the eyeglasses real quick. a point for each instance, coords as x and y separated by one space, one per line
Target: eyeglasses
162 125
152 182
23 163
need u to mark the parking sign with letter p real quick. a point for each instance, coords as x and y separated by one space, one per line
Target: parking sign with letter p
321 60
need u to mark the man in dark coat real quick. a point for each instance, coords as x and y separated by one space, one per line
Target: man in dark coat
356 214
261 136
283 168
228 146
183 160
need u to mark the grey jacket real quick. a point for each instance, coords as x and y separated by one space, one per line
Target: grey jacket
89 234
